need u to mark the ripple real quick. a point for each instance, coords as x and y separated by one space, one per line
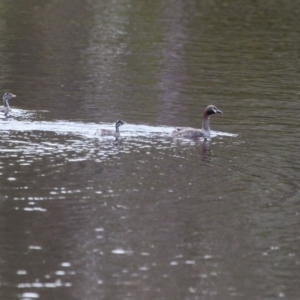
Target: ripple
30 296
121 251
76 141
34 247
90 129
54 284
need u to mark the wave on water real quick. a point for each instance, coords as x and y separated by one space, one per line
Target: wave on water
87 129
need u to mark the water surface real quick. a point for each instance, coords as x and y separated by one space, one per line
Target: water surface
149 217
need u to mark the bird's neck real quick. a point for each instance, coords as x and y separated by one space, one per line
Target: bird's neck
5 103
205 126
117 129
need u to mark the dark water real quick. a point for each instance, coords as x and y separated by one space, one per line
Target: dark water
149 217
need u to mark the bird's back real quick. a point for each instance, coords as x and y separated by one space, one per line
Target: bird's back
188 132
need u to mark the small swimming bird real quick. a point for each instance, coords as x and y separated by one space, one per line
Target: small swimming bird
194 133
6 108
116 133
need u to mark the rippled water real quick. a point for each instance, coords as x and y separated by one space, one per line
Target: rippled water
149 217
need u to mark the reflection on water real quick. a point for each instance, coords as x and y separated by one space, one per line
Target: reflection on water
65 163
149 217
83 142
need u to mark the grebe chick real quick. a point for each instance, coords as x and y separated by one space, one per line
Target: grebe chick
6 108
116 133
194 133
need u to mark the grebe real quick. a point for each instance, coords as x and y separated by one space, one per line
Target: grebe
193 133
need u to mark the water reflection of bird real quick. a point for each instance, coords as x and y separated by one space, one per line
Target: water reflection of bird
6 108
116 133
187 132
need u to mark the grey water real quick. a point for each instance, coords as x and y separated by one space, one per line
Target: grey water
149 216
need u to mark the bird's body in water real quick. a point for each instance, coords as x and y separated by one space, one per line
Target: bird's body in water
116 133
6 108
194 133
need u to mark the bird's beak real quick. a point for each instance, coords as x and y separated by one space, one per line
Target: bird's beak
13 95
219 111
